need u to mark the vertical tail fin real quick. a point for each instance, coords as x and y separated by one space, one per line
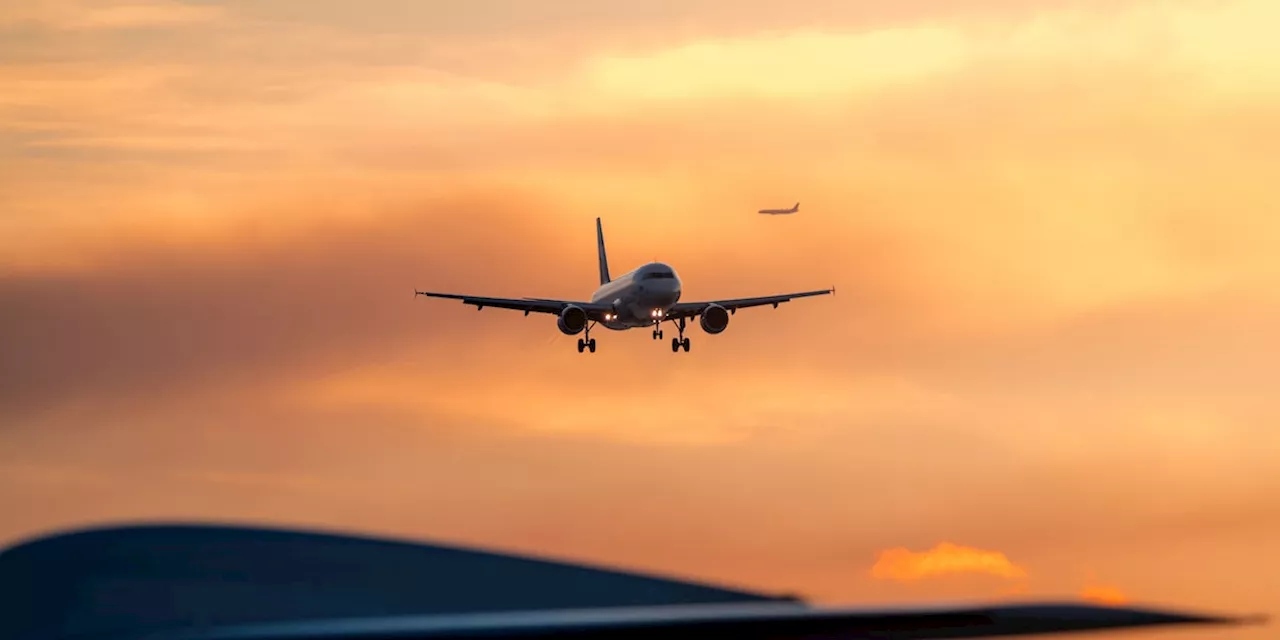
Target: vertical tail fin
600 254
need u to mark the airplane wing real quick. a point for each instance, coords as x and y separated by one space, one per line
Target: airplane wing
691 309
527 305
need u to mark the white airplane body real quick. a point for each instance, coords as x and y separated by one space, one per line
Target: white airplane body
644 297
780 212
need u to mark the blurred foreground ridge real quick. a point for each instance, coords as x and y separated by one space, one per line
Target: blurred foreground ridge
198 581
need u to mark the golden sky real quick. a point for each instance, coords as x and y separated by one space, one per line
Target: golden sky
1049 370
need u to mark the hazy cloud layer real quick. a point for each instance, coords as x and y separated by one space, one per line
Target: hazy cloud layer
1050 225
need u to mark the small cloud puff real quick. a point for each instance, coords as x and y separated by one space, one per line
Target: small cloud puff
1103 595
903 565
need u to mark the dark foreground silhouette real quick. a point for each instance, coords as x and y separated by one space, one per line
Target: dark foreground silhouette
189 582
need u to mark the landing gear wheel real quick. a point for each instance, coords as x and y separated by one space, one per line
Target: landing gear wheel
586 342
679 342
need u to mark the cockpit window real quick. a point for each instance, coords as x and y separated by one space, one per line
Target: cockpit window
653 275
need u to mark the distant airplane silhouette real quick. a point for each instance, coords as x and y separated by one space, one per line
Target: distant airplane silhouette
778 212
194 582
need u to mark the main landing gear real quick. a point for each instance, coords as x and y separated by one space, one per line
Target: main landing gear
589 343
680 342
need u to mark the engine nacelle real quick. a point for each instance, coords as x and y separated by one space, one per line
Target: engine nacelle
572 320
714 318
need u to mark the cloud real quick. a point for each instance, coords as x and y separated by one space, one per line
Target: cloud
774 404
793 66
163 315
133 14
622 25
949 560
1090 178
903 565
1104 595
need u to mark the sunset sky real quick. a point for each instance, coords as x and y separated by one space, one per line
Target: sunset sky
1051 369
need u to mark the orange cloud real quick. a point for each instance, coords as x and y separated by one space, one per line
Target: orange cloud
904 565
71 14
1103 595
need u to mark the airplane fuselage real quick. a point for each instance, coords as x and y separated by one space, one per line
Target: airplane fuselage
640 298
780 212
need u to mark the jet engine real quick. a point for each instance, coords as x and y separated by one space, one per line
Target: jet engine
572 320
714 318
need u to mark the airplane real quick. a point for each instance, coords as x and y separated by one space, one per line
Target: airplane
777 212
206 581
646 296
